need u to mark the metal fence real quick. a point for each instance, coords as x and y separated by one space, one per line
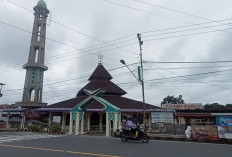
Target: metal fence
167 128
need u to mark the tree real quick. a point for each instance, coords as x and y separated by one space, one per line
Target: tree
229 105
173 100
213 106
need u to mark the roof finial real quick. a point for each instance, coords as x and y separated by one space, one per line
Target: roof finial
100 57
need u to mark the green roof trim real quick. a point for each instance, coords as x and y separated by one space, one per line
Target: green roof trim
41 4
109 107
95 95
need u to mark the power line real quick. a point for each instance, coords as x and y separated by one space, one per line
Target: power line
190 62
72 29
185 30
176 11
55 40
122 5
65 54
75 78
184 26
161 38
68 27
197 74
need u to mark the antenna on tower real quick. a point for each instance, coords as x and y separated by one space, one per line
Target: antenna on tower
49 19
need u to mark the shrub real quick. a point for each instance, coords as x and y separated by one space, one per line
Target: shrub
55 128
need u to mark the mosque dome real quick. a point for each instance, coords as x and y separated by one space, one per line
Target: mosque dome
41 4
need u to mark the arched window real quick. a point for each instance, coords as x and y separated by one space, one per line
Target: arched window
36 55
38 95
40 16
39 28
38 36
32 95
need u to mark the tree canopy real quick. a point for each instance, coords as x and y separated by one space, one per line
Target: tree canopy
216 106
173 100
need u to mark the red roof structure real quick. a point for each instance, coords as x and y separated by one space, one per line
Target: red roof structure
100 78
4 107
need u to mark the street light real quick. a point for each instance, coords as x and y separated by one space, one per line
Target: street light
124 63
1 84
141 82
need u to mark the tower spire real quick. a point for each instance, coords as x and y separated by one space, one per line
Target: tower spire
32 93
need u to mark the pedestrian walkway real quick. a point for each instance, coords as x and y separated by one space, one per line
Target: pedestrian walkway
24 136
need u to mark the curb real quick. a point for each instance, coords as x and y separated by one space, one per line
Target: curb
216 141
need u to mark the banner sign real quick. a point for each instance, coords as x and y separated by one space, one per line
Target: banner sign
2 125
224 125
204 132
163 117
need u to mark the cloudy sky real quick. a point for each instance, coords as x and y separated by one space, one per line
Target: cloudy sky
185 46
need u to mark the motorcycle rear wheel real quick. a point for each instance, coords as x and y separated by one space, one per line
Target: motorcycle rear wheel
124 138
145 138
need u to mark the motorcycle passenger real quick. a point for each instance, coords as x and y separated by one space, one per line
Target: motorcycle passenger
131 126
124 126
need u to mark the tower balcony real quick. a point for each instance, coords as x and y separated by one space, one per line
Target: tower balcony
35 65
31 104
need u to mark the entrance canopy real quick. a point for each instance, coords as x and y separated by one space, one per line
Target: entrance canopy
113 113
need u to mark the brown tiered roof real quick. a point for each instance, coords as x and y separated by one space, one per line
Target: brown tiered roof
120 102
100 73
100 78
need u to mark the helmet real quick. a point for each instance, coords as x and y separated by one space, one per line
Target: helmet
124 117
129 117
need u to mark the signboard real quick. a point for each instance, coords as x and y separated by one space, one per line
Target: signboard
188 106
15 120
162 117
56 119
224 125
204 132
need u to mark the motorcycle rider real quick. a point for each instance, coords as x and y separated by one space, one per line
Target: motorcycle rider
124 120
131 127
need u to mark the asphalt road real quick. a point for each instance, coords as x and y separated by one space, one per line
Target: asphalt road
86 146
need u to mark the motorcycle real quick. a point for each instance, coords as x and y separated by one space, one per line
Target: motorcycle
139 135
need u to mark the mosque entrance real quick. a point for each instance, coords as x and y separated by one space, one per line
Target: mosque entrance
97 121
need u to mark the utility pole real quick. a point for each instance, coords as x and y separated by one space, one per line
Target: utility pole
142 79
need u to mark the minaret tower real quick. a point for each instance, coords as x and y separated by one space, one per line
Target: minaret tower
32 94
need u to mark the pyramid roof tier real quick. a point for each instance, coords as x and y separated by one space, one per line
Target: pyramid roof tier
109 87
100 78
100 73
120 102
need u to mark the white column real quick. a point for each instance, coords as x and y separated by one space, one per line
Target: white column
107 125
82 123
63 121
22 121
100 122
88 123
50 119
77 128
119 120
70 124
115 121
7 121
